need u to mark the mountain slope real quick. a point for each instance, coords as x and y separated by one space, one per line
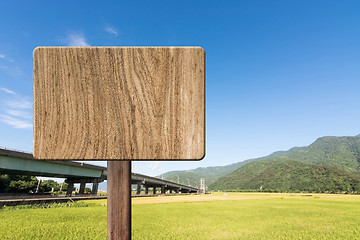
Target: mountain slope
342 153
338 152
211 173
289 176
328 164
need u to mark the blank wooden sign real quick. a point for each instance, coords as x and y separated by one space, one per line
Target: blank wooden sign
111 103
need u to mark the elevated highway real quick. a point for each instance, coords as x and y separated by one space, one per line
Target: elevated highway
21 163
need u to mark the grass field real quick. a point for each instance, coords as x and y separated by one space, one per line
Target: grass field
215 216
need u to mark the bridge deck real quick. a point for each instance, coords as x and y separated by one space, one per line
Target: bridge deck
21 163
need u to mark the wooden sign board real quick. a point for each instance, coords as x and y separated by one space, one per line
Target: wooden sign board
119 103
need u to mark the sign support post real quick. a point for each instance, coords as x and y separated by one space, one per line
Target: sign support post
119 200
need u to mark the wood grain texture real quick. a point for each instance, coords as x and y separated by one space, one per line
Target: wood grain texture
133 103
118 200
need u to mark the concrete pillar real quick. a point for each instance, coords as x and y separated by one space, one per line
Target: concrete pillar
70 187
82 187
95 188
146 190
138 189
154 190
162 189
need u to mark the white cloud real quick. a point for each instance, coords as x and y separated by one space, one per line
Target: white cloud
18 102
18 113
2 56
154 165
16 123
112 30
76 39
10 67
15 110
7 90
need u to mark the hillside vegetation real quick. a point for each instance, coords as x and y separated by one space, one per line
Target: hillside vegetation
330 164
288 176
338 152
211 173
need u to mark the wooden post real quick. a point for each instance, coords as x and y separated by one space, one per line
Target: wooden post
119 200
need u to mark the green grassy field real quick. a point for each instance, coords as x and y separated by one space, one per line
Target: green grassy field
215 216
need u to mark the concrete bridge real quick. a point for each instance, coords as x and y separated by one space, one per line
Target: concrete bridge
21 163
164 185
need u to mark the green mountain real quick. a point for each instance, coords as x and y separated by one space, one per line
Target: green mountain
288 176
338 152
332 153
210 174
330 164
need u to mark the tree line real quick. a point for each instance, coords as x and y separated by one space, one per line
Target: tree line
28 184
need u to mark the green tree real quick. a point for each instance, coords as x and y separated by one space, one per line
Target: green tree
21 184
4 183
87 190
48 185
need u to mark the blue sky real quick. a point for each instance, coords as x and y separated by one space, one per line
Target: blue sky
279 74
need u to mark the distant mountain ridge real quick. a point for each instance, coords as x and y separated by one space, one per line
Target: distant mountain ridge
288 176
212 173
330 164
337 156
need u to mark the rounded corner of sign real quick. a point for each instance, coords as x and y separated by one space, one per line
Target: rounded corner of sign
36 50
35 151
202 49
201 157
38 156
